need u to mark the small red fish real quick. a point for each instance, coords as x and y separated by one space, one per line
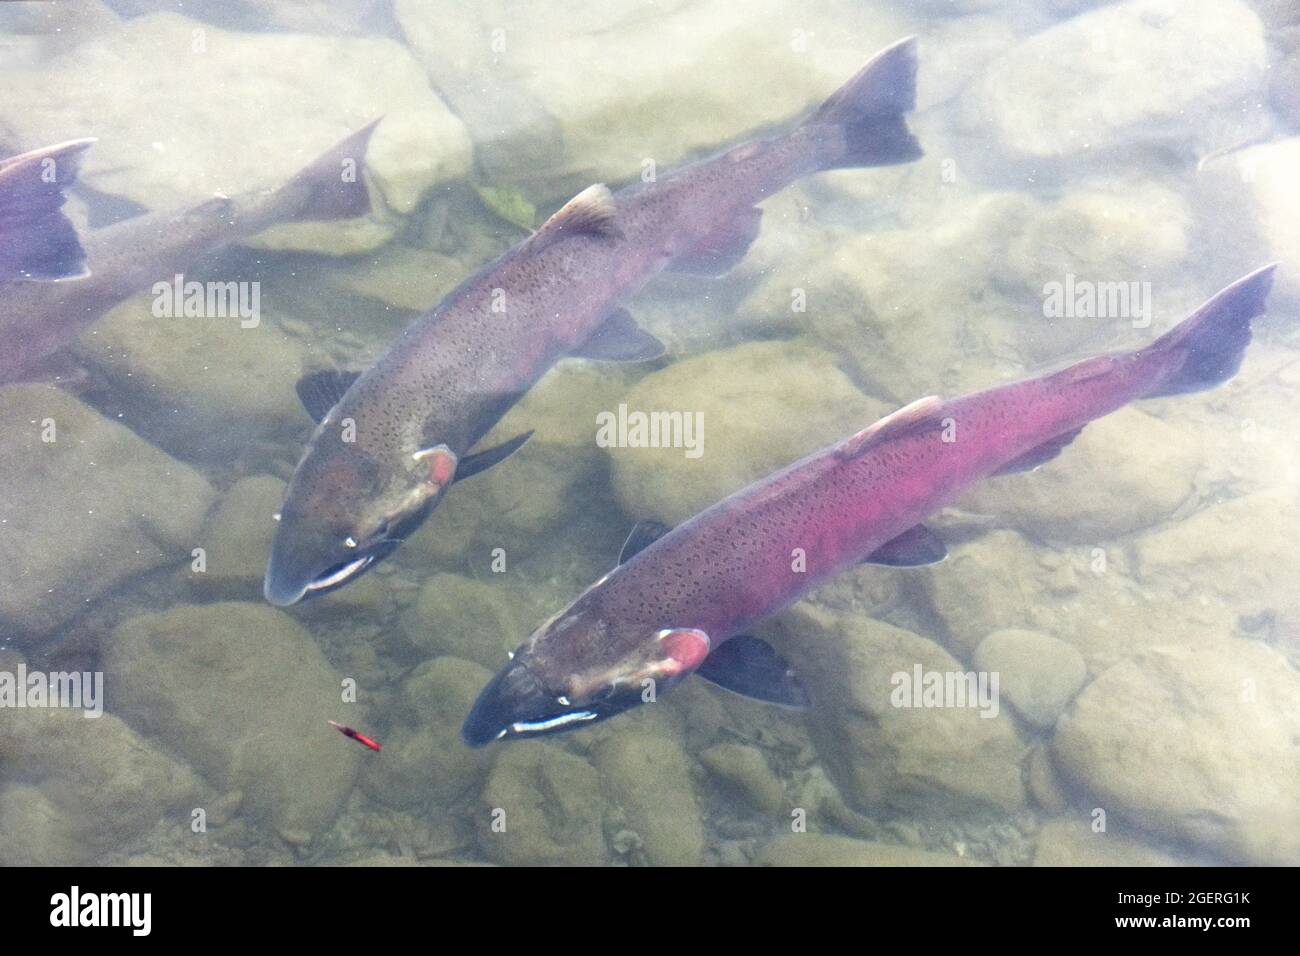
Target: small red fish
356 735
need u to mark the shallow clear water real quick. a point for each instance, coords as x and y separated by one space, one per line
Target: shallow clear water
1092 172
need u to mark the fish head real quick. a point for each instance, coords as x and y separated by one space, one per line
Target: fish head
537 693
345 510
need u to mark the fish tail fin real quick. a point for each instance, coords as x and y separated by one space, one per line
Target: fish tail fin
37 241
862 123
1206 348
334 185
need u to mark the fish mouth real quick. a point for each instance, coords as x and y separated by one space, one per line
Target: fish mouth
285 591
516 704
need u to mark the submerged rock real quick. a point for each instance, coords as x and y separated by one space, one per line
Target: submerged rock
741 397
478 621
237 538
1038 675
1237 556
1201 744
425 761
1083 595
85 511
598 89
173 150
900 327
1190 72
1125 472
1261 182
205 387
1069 842
243 692
822 849
82 787
648 776
542 806
744 771
943 760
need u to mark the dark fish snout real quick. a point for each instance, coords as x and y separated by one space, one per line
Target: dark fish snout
515 704
303 566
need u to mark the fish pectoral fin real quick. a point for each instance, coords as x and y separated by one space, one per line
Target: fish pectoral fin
722 249
483 460
752 668
914 548
320 391
592 212
620 339
1039 455
643 534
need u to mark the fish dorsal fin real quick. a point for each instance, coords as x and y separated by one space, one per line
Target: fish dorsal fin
592 212
643 534
892 425
321 391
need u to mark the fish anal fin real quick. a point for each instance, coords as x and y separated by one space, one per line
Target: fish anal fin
620 339
752 668
896 423
1039 454
320 391
914 548
723 248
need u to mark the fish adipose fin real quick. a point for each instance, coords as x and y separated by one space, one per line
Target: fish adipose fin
1040 454
914 548
867 113
1210 342
643 534
620 339
334 187
592 212
481 461
321 391
752 668
37 241
722 249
